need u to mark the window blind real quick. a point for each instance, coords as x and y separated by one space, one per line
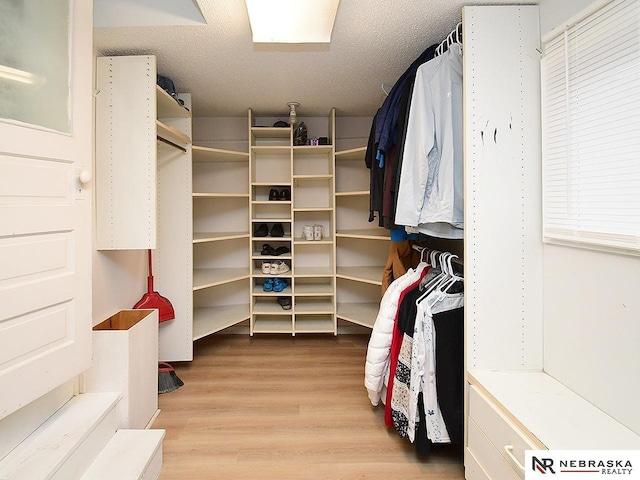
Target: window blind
591 130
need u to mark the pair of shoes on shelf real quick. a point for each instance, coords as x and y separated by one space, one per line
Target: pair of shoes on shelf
273 252
274 285
285 302
263 231
275 268
277 230
283 195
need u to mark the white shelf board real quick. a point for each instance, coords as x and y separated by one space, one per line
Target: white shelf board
271 202
359 313
268 306
271 184
258 291
207 154
271 150
313 289
314 324
266 258
220 195
257 272
273 324
319 149
352 154
208 320
312 209
365 233
315 307
354 193
204 237
167 107
271 132
302 241
211 277
313 177
172 134
551 412
372 275
313 271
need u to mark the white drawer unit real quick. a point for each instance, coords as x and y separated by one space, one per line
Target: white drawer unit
494 442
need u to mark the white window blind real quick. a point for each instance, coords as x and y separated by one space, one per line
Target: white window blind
591 130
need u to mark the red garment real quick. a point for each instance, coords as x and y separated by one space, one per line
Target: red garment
396 344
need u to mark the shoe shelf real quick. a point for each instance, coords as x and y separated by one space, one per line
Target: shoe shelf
306 173
314 324
259 292
268 306
281 323
257 273
313 305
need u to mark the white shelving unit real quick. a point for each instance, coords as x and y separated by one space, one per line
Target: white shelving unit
307 173
220 239
133 115
361 248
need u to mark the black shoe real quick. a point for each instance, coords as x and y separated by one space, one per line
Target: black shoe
273 194
268 250
261 231
281 251
285 302
277 230
285 195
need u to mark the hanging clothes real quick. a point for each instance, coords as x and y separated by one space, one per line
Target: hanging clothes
430 189
378 350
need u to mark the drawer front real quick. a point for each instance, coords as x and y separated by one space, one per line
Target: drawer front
487 455
472 469
507 438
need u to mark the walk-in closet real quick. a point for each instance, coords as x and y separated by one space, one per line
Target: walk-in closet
403 244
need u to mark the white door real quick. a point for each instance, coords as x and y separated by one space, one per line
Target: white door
45 212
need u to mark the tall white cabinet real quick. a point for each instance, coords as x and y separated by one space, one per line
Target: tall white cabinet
514 400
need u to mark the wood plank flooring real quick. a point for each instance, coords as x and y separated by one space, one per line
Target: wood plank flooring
282 407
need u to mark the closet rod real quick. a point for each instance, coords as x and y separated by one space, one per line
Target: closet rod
456 260
164 140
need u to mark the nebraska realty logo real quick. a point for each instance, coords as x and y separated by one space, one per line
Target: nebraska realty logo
582 464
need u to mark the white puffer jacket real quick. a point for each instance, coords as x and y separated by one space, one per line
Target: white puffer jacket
376 368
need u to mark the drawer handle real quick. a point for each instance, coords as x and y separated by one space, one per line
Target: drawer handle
509 451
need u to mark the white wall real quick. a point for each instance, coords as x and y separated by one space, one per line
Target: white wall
592 307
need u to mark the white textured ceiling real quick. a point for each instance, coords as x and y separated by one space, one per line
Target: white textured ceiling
373 42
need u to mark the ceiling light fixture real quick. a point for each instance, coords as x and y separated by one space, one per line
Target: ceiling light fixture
292 21
293 116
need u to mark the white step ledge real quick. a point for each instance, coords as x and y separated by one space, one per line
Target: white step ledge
67 442
130 455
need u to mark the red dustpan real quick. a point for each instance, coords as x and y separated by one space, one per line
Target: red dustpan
153 299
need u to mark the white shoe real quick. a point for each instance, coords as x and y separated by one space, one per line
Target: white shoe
279 267
266 268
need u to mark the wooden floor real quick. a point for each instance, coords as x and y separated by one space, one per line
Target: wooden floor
282 407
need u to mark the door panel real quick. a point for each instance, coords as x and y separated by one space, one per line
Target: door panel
45 238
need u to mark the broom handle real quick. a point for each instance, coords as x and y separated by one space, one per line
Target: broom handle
150 277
